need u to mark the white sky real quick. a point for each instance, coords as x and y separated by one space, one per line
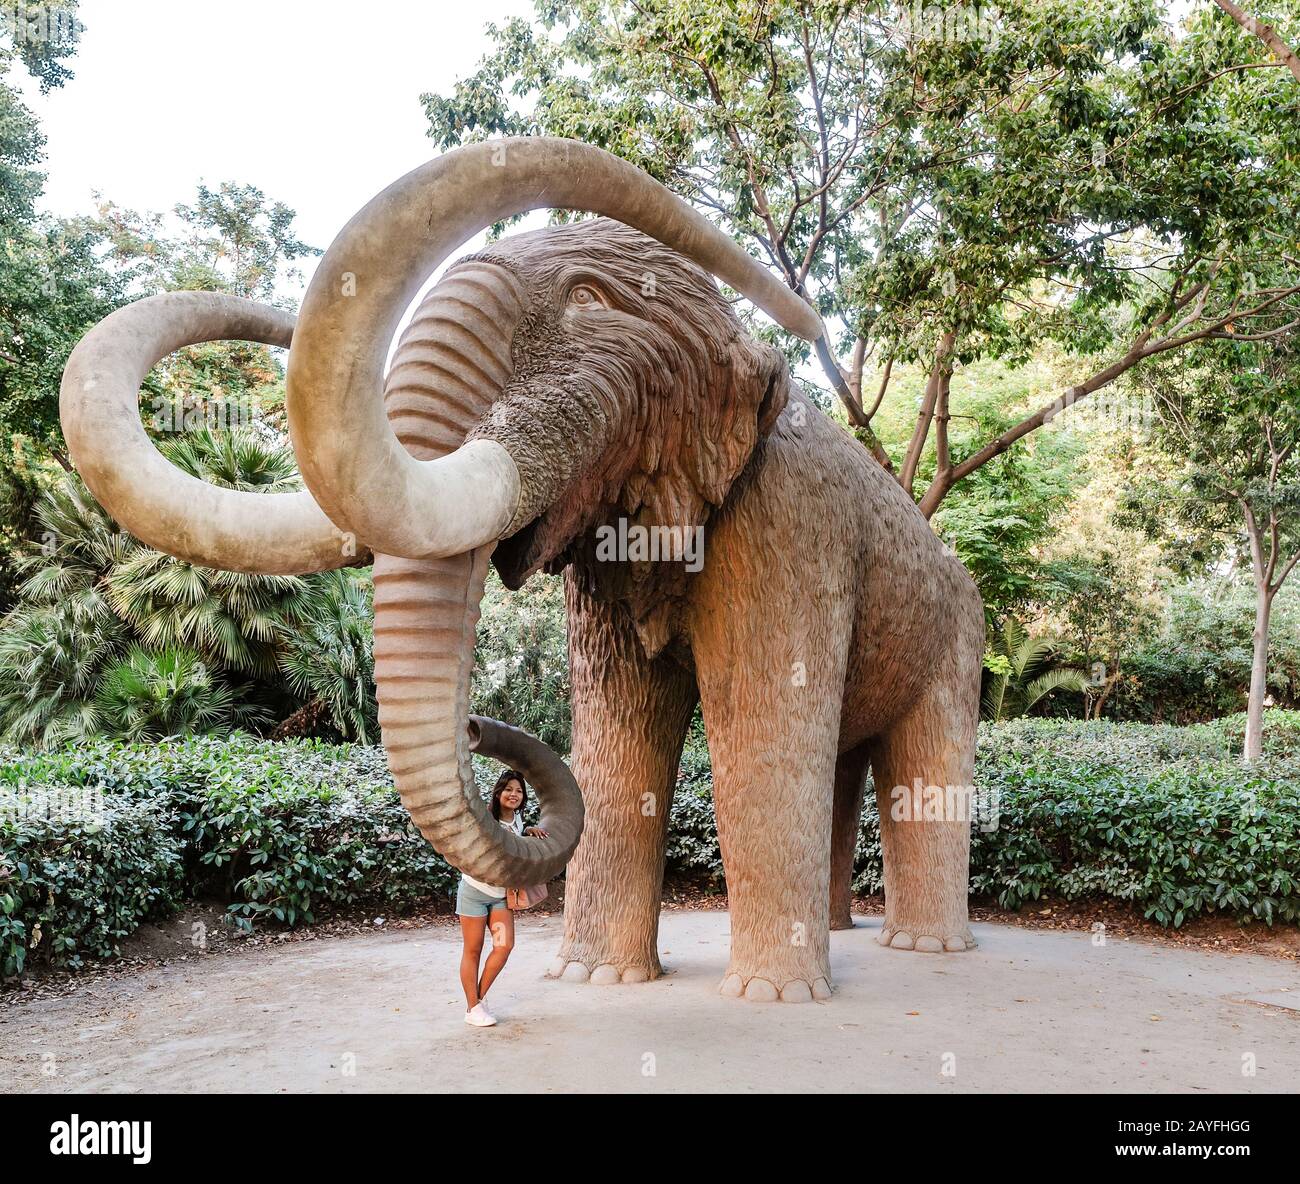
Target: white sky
316 102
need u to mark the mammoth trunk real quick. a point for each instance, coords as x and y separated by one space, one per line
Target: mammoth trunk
425 615
452 362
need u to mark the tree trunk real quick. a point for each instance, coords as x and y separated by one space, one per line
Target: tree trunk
310 720
1107 688
1258 674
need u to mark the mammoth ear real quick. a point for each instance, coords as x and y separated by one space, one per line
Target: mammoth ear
715 408
723 405
777 392
724 402
749 389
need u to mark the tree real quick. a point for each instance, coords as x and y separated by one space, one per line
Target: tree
329 661
999 519
1230 423
149 696
52 287
521 672
93 599
1266 33
1058 172
232 239
1098 593
1021 673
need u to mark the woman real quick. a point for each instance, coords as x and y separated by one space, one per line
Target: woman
479 905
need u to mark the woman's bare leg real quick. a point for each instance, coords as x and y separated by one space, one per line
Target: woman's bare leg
502 923
471 930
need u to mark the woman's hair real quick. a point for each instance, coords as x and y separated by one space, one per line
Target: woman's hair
507 776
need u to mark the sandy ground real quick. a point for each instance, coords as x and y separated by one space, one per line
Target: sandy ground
1027 1011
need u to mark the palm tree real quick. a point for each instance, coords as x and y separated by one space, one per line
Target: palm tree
232 620
152 695
1021 673
91 591
50 659
329 660
55 641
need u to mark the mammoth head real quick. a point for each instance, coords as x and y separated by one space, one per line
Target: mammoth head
545 385
618 377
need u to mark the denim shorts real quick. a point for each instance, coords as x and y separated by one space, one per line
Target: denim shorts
470 902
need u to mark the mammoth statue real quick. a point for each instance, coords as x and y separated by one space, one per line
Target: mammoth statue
557 386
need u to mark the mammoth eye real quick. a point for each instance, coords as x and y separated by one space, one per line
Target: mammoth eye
585 296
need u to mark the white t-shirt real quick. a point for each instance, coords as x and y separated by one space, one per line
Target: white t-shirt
516 824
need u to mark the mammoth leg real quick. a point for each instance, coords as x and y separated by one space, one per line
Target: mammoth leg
923 767
772 791
772 699
630 716
846 824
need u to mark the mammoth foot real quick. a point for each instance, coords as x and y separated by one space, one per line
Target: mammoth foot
925 939
774 987
602 974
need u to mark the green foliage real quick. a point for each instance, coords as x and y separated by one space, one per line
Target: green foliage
244 649
1161 816
97 837
1099 597
148 696
94 839
1084 173
55 643
1227 421
328 657
692 829
53 286
290 831
52 290
1020 673
999 517
1195 663
521 667
232 239
78 874
1180 835
41 34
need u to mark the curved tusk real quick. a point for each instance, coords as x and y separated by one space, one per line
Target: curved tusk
99 405
350 459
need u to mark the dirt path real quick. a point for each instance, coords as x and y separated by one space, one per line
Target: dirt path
1027 1011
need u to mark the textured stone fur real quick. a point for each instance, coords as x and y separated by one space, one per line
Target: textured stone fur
827 629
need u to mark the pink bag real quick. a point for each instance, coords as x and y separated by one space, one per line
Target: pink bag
525 898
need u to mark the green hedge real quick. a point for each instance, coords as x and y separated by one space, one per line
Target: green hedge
1126 811
97 838
1162 816
78 874
280 830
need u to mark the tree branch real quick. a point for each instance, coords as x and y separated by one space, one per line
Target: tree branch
1266 33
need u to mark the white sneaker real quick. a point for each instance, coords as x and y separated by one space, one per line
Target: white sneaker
479 1017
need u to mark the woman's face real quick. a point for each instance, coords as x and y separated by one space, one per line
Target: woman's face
512 797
